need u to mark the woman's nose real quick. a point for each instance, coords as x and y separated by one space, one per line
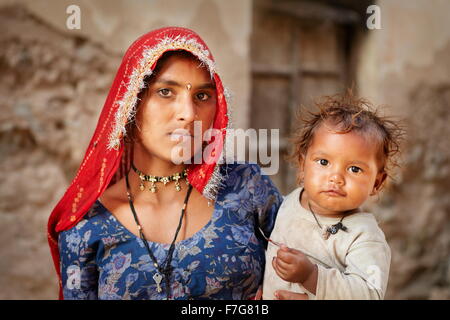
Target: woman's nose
186 109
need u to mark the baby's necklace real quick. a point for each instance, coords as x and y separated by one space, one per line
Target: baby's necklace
327 230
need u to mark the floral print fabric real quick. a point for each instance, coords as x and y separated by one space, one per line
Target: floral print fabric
101 259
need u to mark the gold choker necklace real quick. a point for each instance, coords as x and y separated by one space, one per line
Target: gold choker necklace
164 179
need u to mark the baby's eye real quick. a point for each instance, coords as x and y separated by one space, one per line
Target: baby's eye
355 169
164 92
322 162
202 96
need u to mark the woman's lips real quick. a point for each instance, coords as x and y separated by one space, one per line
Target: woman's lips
175 136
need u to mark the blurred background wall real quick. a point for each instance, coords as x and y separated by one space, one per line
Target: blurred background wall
273 56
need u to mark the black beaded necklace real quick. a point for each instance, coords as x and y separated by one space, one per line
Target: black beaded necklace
326 230
164 270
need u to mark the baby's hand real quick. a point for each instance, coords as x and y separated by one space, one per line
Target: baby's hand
292 265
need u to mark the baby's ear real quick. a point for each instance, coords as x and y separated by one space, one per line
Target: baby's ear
301 162
301 169
380 179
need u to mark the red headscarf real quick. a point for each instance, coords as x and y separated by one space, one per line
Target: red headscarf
106 159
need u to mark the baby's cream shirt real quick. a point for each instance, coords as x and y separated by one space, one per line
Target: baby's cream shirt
351 265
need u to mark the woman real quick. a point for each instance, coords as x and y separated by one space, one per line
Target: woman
135 223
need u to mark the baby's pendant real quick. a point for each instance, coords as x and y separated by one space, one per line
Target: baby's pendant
158 277
335 228
325 232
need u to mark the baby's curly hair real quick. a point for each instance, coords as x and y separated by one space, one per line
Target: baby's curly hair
345 113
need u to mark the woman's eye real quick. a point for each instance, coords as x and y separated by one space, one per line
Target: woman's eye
355 169
164 92
202 96
323 162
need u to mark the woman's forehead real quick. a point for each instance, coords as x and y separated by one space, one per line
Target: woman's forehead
179 68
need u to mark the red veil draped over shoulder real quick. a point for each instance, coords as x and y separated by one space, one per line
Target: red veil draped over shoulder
107 158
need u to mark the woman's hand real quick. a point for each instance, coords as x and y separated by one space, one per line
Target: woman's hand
282 295
293 266
259 293
289 295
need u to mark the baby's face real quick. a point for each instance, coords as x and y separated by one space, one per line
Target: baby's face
340 172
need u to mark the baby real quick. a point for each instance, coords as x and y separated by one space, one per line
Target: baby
323 245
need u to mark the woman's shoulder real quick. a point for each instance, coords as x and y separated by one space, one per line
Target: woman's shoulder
238 177
95 218
85 235
246 181
241 167
238 173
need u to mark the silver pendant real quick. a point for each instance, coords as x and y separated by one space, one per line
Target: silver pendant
325 233
158 277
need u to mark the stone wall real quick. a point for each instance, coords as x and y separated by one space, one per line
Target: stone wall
406 66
